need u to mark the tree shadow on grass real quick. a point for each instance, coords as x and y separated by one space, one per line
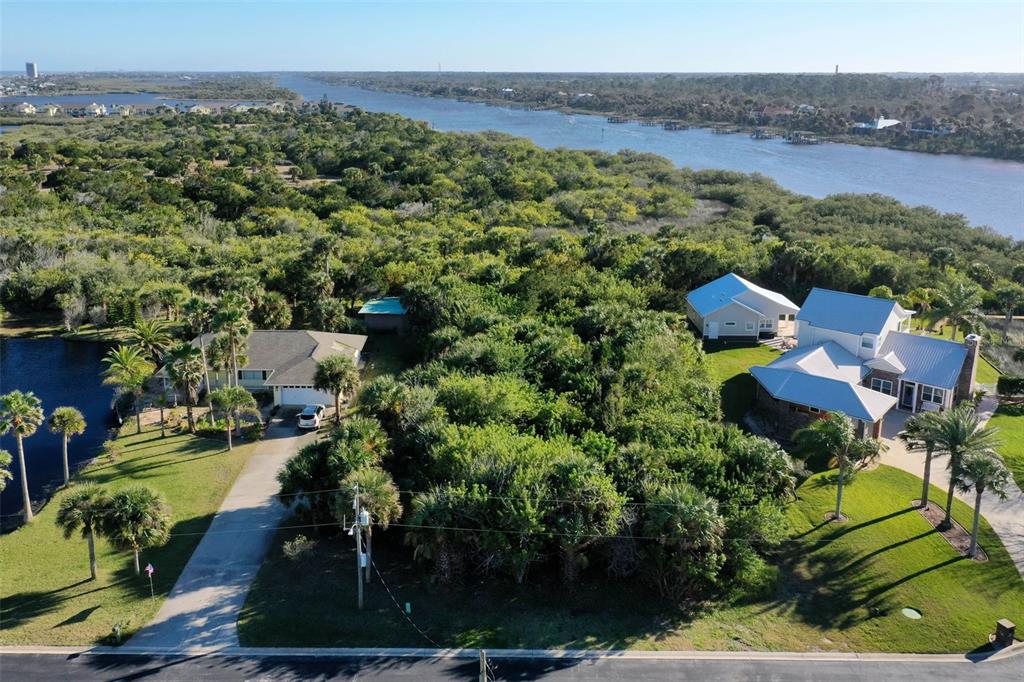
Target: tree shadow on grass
22 607
737 397
79 617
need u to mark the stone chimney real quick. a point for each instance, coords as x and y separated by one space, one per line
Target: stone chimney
966 383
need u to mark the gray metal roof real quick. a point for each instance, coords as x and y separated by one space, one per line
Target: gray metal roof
928 360
292 354
850 313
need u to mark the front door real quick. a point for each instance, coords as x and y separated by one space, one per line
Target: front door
907 396
712 330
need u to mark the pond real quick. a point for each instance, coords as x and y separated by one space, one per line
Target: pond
59 373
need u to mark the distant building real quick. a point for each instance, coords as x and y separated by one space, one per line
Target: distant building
96 110
51 109
384 314
880 124
25 108
30 70
124 110
199 109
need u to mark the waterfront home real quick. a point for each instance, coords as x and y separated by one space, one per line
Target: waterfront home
282 363
854 355
51 110
199 109
25 108
732 307
95 109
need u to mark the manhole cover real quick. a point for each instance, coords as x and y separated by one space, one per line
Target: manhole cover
913 614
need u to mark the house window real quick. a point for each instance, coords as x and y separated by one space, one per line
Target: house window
930 394
867 342
251 375
882 386
750 326
813 410
792 318
782 317
730 324
766 324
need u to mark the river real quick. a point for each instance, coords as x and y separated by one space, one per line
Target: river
59 373
986 191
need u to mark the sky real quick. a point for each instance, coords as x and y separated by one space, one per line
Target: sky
501 36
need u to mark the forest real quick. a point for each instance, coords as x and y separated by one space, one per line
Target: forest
974 114
558 410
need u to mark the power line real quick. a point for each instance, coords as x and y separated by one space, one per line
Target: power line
401 610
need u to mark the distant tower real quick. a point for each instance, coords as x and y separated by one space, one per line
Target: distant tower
837 69
30 70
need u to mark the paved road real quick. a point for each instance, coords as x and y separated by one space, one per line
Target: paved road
31 667
203 607
1005 516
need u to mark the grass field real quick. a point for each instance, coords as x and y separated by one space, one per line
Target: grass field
730 364
1010 422
46 596
840 588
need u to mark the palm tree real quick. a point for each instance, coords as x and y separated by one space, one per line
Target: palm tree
84 509
5 469
337 374
198 314
231 400
834 436
152 337
980 472
136 518
21 413
919 434
959 433
185 370
960 303
232 320
128 369
68 422
1010 296
377 495
922 298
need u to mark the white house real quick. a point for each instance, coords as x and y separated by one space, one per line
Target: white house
25 108
732 307
855 356
199 109
96 109
283 363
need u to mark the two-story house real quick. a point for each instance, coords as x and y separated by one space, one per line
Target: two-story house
855 355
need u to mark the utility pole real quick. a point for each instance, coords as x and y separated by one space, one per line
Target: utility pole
483 666
359 547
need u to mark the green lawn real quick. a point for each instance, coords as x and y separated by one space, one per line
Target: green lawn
730 364
840 588
46 596
1010 421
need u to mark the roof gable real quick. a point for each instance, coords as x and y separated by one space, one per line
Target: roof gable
926 359
849 313
732 288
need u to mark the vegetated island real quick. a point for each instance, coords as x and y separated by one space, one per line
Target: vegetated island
190 86
971 114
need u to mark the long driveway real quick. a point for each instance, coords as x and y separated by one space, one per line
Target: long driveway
202 609
1005 516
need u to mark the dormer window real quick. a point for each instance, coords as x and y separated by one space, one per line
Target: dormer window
867 342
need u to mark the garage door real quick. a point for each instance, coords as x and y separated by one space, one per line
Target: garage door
292 395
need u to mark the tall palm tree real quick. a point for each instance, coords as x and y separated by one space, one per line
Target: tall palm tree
21 414
979 472
198 316
83 509
1010 296
834 435
339 375
128 369
67 421
959 301
959 433
232 320
919 434
136 518
185 370
232 400
153 337
922 298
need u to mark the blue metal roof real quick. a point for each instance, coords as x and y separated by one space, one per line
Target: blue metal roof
391 305
728 289
843 312
928 360
823 393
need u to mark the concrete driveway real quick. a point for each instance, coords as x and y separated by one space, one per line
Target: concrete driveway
203 607
1005 516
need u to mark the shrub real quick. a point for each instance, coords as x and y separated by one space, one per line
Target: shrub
298 548
111 450
1011 387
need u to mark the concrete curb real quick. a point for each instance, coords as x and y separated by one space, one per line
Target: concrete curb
557 654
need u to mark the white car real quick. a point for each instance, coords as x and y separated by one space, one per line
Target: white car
311 416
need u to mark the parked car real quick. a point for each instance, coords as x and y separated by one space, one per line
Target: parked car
311 416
